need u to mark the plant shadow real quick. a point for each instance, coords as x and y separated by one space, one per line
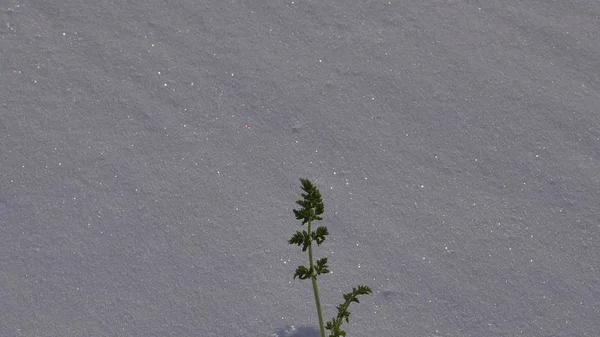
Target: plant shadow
292 331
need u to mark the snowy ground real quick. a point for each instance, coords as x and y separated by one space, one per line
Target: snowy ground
150 153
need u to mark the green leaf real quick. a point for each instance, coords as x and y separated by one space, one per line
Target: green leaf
303 273
362 290
301 239
320 234
322 267
298 239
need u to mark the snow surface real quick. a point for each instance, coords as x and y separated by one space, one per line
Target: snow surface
150 153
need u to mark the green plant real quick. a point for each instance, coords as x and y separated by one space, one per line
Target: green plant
312 208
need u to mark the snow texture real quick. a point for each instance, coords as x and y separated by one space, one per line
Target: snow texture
150 153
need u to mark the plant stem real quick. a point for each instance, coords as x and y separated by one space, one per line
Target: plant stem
315 286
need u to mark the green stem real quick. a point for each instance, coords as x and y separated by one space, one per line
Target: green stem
315 286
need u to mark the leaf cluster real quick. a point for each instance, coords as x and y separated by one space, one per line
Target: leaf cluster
312 205
305 238
312 208
304 273
343 314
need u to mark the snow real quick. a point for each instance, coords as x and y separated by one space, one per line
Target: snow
150 153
